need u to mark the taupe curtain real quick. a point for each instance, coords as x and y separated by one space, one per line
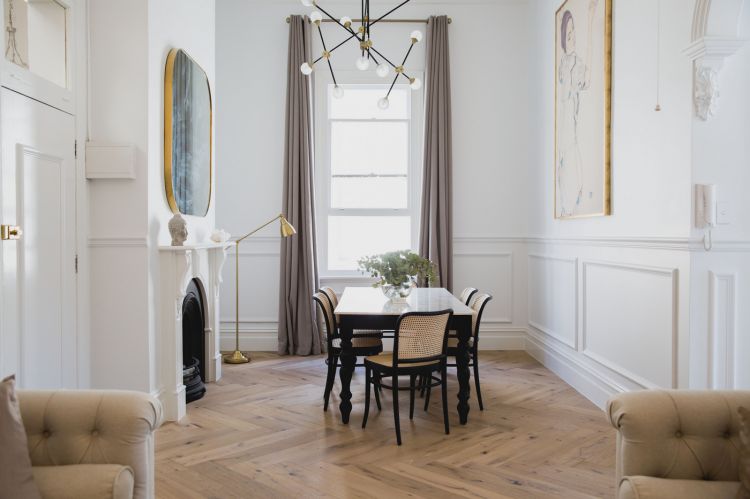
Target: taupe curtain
298 329
436 225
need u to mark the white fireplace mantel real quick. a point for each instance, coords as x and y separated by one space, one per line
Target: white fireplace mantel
178 266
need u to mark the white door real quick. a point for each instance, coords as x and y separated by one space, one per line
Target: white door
38 321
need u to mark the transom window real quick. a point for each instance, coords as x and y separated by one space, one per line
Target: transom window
367 179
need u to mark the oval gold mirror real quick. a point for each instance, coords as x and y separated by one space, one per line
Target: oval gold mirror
187 135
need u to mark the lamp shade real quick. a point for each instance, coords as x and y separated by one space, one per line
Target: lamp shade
287 229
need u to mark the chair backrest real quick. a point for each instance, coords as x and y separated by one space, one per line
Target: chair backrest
477 305
466 295
421 337
325 306
331 294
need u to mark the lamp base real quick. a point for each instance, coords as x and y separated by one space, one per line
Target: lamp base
236 357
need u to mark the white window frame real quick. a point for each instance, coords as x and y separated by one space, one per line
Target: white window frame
323 162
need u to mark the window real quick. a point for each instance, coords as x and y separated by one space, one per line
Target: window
368 169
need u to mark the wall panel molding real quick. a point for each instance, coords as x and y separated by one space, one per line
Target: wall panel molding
722 330
671 304
537 322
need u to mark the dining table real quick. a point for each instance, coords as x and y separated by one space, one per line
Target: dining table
368 308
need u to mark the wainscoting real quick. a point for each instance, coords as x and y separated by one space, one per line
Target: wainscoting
489 264
605 314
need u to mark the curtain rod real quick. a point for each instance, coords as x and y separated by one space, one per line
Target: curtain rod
412 21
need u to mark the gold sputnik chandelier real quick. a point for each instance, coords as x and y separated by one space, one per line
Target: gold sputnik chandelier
368 52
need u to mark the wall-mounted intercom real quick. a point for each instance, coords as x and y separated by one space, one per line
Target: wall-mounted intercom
705 211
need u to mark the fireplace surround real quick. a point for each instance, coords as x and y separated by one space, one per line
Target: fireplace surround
187 272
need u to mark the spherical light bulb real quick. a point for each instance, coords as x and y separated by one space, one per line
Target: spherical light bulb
306 69
363 63
383 69
307 3
415 83
346 21
416 36
384 103
338 92
316 17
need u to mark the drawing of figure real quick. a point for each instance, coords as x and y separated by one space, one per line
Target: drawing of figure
573 78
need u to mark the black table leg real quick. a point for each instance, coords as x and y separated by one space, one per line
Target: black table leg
348 360
463 331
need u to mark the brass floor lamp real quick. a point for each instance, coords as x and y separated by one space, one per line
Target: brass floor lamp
287 230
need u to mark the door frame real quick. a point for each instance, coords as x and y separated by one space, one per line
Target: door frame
74 101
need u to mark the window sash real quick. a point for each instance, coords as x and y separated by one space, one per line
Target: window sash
324 175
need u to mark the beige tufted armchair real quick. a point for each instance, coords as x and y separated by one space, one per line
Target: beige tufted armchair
91 444
677 444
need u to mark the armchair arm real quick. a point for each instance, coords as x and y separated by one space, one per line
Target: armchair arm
93 427
677 434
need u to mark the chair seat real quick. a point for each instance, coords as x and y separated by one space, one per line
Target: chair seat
386 359
362 342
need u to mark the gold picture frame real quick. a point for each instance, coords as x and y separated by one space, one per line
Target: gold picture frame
583 111
181 169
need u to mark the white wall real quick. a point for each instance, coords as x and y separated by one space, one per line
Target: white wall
721 278
490 142
118 209
129 42
608 296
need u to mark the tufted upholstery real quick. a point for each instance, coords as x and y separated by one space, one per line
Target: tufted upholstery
85 481
676 435
93 427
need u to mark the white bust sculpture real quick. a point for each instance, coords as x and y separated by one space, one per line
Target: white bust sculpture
178 230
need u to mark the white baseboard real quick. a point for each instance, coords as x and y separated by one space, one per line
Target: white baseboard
583 379
257 341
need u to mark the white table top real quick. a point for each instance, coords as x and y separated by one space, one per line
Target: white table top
372 301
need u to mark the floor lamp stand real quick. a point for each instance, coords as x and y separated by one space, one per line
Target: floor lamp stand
237 357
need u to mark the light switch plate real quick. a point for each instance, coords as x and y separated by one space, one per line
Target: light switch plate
723 216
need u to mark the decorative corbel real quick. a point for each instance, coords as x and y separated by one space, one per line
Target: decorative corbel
708 54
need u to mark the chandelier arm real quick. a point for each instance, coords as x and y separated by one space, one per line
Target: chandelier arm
381 55
330 16
373 58
407 53
389 12
322 41
392 85
367 4
354 35
328 59
335 83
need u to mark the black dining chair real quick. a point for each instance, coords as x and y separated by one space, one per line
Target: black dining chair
477 305
467 294
362 345
419 350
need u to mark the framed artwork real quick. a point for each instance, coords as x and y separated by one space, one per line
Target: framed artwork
583 91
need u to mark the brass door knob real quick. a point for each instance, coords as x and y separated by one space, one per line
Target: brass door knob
10 232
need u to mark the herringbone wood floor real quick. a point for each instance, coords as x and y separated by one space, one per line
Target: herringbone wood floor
261 432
